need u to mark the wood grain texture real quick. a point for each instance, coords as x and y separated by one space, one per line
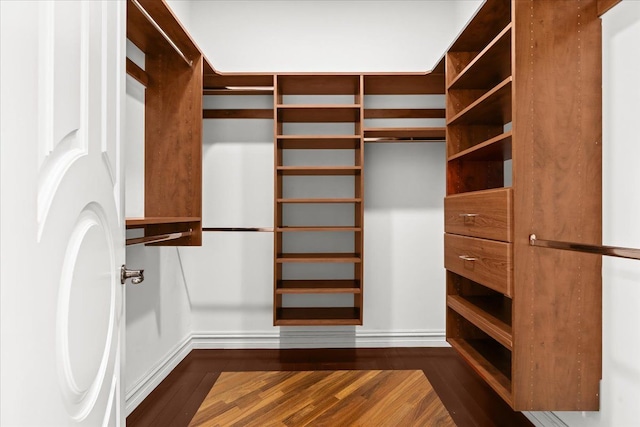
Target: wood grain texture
487 214
245 113
557 163
487 262
468 399
346 398
137 73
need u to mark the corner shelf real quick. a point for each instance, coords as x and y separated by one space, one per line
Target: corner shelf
494 107
497 148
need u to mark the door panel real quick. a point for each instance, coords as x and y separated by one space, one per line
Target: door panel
62 304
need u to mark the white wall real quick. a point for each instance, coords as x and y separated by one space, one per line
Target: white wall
620 387
279 36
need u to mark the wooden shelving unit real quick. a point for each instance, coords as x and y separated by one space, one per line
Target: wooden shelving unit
522 317
173 123
287 284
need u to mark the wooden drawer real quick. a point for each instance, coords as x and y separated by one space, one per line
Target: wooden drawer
486 262
484 214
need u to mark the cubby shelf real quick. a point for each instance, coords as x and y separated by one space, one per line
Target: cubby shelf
316 228
486 369
318 113
314 316
321 201
351 258
497 148
315 142
490 66
494 107
418 133
481 318
318 170
318 287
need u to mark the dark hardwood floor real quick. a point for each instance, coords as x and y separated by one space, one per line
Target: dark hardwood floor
467 398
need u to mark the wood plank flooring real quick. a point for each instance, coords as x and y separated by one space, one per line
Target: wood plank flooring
322 398
467 398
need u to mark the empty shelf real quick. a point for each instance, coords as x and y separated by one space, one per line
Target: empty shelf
318 316
318 287
319 257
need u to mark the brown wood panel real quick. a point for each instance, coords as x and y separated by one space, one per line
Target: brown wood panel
484 261
173 138
464 176
398 84
557 195
137 73
487 214
245 113
425 133
246 80
309 84
492 17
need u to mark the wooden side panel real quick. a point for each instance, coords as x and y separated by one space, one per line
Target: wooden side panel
173 137
557 195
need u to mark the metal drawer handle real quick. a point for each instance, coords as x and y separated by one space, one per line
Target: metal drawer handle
468 215
466 257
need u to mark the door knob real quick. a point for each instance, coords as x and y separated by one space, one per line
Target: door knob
136 276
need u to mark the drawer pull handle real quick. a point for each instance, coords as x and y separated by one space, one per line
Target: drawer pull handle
468 215
466 257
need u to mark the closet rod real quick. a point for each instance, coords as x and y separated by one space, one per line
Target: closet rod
161 31
158 238
264 229
592 249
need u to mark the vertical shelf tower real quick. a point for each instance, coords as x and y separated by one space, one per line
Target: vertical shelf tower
524 157
287 284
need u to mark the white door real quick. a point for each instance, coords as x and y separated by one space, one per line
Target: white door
62 227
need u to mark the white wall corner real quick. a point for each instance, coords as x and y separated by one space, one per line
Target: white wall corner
544 419
156 374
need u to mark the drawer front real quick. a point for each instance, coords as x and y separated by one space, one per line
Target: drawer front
484 261
485 214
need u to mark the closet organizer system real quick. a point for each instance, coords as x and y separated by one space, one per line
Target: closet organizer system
523 87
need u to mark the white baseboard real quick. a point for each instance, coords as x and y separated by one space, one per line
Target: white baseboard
154 376
319 338
544 419
286 338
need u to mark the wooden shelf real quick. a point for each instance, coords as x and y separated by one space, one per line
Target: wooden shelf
318 287
317 228
318 84
246 113
318 113
494 107
489 67
321 201
497 148
318 170
351 258
492 326
417 84
289 316
492 375
237 91
322 142
416 133
132 223
404 113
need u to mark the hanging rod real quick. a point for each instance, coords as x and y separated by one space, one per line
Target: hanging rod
158 238
592 249
244 229
161 31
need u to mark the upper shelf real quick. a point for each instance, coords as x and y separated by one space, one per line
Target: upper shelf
435 134
489 67
494 107
310 84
